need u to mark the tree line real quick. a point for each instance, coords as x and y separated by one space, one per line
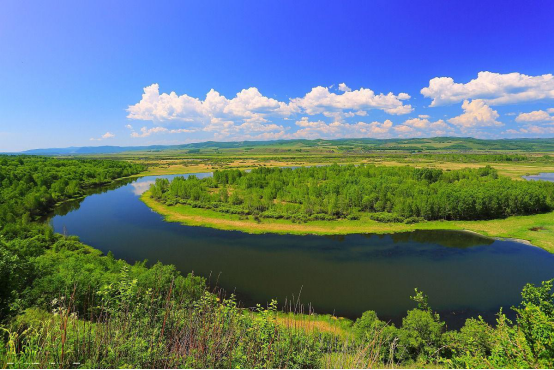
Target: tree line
32 185
385 193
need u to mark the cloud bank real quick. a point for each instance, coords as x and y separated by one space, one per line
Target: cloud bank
341 111
492 88
251 112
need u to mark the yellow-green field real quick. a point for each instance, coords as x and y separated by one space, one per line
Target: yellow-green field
174 167
538 229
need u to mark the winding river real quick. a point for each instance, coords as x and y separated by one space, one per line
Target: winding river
464 274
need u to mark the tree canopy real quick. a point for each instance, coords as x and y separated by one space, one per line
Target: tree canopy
386 193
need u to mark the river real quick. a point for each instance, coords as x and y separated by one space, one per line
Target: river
464 274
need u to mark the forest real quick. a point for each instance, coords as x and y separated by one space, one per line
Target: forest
32 185
65 304
387 194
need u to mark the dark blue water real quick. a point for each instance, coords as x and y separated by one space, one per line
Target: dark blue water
464 274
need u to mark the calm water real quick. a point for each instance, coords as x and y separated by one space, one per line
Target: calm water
545 176
463 274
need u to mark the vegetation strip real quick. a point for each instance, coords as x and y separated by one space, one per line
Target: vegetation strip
363 199
538 230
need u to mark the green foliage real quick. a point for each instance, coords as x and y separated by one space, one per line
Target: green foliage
32 185
536 320
420 336
386 194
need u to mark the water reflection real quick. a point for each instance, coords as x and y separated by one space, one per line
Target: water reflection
446 238
141 187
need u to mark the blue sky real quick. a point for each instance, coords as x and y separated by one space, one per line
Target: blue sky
140 73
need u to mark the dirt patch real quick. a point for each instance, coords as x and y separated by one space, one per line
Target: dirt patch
537 228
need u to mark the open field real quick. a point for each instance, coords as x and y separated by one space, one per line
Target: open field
538 229
317 147
176 167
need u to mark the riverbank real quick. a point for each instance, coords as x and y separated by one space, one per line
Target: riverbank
537 230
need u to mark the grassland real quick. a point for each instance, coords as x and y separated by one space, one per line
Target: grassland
178 166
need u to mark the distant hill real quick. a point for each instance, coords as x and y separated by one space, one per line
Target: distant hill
454 144
91 150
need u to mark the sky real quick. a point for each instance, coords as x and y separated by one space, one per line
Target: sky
88 73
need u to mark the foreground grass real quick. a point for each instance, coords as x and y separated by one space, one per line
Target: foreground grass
537 230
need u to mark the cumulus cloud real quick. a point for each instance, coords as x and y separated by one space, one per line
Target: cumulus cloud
145 132
248 103
343 87
532 130
476 114
251 114
251 104
107 135
423 127
320 100
535 116
319 129
492 88
537 122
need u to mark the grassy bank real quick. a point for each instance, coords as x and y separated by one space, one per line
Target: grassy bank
536 229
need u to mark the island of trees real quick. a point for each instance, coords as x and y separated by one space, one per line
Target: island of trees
386 194
64 304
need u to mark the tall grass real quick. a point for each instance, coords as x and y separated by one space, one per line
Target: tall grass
125 327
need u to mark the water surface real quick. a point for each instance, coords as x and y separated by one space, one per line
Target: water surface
464 274
544 176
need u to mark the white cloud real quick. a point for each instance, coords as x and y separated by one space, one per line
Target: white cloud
319 129
532 122
492 88
404 129
535 116
343 87
423 116
251 104
144 132
320 100
533 130
422 127
248 103
107 135
476 114
250 114
362 113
